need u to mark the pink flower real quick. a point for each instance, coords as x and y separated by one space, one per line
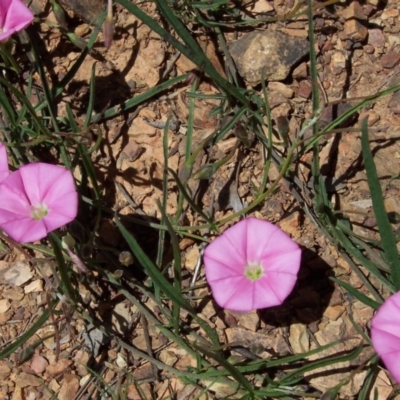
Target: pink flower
252 265
35 200
385 334
14 16
4 171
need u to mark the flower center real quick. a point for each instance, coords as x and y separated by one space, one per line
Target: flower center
39 211
254 271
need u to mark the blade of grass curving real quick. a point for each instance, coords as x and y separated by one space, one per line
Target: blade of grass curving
108 390
62 269
90 170
365 392
178 284
190 201
267 111
190 122
60 86
385 229
140 98
357 294
28 334
8 109
25 102
357 255
92 93
159 279
234 372
362 104
51 104
161 232
192 50
151 270
189 135
374 257
174 240
322 363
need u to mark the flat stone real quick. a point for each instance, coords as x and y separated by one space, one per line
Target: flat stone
355 30
394 103
300 71
269 55
376 37
305 90
354 10
390 13
390 59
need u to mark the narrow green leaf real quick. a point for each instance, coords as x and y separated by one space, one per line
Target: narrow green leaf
151 270
29 333
229 367
357 294
388 239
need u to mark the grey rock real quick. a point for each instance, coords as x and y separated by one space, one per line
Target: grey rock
271 52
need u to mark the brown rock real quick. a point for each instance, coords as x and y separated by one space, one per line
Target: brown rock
13 293
305 90
355 30
281 88
4 372
38 364
369 49
23 380
354 10
269 55
376 37
390 59
69 388
301 71
394 103
59 367
390 13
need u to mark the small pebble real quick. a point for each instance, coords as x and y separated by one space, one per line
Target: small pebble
369 49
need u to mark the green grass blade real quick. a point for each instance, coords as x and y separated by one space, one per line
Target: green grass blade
141 98
151 270
192 50
28 334
357 294
234 372
388 239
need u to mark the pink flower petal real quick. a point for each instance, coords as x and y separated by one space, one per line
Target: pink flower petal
228 298
4 7
264 239
4 171
34 185
251 241
229 249
24 230
385 334
14 16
